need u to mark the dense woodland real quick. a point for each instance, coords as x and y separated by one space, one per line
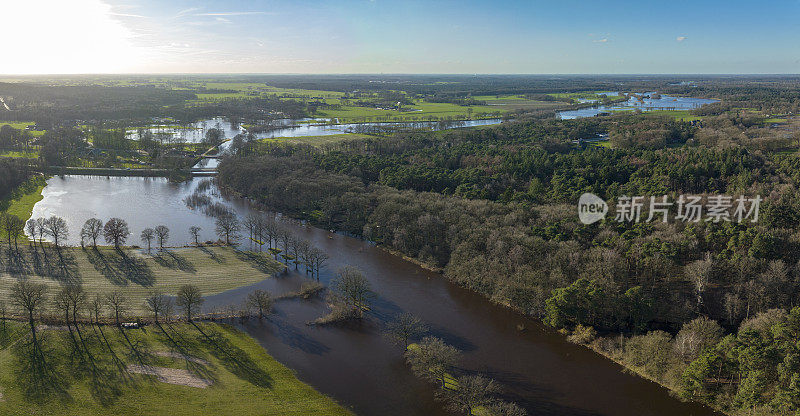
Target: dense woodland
494 209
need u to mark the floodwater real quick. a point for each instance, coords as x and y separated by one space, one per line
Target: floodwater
354 363
195 132
666 102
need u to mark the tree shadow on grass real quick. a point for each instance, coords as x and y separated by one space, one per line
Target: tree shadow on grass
175 261
189 349
58 264
102 374
259 261
233 358
16 264
36 373
212 254
120 268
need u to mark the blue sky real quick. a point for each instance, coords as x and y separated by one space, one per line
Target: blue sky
434 36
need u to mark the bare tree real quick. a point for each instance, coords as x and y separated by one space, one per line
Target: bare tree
250 223
303 248
317 259
119 305
162 234
404 328
156 302
29 298
270 230
195 232
699 273
33 228
261 300
91 230
116 231
227 226
189 299
96 306
354 288
41 229
56 228
14 228
147 237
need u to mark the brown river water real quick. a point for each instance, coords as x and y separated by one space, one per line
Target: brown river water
354 363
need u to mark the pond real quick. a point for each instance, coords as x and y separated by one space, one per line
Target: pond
355 363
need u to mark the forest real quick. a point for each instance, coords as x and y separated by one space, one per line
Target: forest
707 309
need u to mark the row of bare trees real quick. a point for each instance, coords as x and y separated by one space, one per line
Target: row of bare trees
72 304
283 245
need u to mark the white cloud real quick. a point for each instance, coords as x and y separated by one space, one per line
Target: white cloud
604 40
681 38
187 11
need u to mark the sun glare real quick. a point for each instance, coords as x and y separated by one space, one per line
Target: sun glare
64 37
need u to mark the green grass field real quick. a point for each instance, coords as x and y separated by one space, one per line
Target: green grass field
14 153
133 272
19 125
99 375
23 199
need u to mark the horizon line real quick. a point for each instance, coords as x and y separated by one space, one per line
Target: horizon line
403 74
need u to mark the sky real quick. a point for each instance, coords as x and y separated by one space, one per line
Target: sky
399 36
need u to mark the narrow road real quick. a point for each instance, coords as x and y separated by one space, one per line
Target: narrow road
4 104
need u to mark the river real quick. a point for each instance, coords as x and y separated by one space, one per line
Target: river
355 364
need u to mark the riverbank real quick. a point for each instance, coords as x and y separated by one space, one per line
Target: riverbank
24 198
134 272
175 369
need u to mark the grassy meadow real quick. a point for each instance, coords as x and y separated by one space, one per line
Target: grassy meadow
172 369
133 272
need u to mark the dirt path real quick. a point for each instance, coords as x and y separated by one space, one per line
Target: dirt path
177 356
171 376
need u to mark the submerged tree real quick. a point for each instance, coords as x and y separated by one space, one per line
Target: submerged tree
194 231
432 358
260 300
354 289
472 392
404 328
147 237
227 226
